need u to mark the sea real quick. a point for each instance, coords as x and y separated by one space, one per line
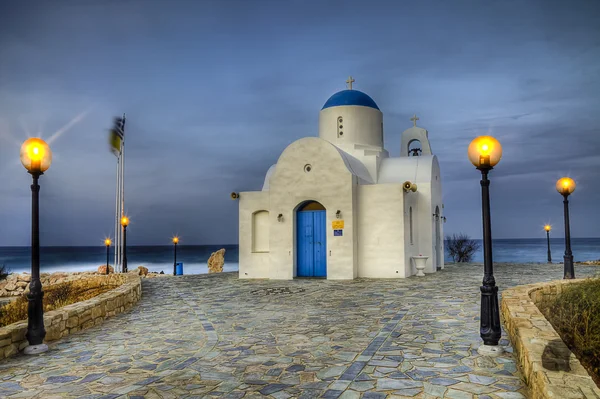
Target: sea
194 257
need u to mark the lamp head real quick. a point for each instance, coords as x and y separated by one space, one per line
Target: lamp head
36 155
175 240
107 242
547 227
484 152
565 185
124 221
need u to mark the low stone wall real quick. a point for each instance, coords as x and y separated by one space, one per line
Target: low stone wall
18 284
550 369
78 316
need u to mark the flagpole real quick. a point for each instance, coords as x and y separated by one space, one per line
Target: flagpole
122 185
116 256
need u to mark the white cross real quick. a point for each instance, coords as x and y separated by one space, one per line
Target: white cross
349 82
414 119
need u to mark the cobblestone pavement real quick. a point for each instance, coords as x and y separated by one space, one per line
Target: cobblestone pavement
217 336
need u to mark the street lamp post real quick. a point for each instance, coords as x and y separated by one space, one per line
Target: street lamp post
124 223
548 228
107 242
175 242
565 186
36 157
485 152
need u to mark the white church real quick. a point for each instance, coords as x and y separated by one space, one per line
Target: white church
337 206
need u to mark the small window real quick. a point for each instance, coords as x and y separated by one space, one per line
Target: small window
340 126
410 221
307 167
260 231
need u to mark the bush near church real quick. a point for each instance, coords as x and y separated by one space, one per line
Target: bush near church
4 272
461 247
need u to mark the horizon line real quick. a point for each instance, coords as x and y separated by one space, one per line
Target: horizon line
198 245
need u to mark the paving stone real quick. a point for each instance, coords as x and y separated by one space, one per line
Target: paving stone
362 334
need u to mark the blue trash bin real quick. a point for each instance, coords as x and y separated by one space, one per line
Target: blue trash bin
179 269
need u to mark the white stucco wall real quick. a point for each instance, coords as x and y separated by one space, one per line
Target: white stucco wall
362 125
330 183
251 264
381 231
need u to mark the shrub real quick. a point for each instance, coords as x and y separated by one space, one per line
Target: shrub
575 315
4 272
55 296
461 247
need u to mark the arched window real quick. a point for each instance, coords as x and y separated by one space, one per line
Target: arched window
260 231
410 221
414 148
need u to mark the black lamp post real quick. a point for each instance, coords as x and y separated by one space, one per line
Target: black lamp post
124 223
548 228
565 187
485 152
107 242
36 157
175 242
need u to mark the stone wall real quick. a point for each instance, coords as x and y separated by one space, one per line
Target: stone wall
78 316
550 369
17 284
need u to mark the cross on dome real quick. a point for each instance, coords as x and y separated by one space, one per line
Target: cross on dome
414 119
349 82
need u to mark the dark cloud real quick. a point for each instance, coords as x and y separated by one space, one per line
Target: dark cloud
214 91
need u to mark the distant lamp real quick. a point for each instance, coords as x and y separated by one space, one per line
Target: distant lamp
444 219
485 152
234 195
175 242
565 186
124 223
107 242
36 157
548 228
338 214
280 217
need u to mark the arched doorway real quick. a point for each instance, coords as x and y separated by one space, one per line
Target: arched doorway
311 240
438 238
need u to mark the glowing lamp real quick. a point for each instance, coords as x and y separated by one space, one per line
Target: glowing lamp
124 221
107 242
36 155
547 227
485 152
565 185
175 240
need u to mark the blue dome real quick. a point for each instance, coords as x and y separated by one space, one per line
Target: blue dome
350 97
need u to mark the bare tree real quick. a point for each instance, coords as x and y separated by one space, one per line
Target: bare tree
461 247
4 272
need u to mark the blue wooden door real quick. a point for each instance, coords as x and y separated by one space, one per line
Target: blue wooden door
311 244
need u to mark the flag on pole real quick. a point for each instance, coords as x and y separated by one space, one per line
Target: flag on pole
115 137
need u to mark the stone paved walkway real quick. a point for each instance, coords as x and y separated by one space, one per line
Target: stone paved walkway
217 336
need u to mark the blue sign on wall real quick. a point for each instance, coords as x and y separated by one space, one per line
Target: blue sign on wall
338 232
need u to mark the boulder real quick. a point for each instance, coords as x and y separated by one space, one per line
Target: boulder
143 271
21 284
24 277
11 286
102 269
216 261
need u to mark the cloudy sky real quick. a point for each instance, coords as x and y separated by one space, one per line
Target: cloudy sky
215 90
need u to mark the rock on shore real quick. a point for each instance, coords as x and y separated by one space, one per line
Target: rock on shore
216 261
